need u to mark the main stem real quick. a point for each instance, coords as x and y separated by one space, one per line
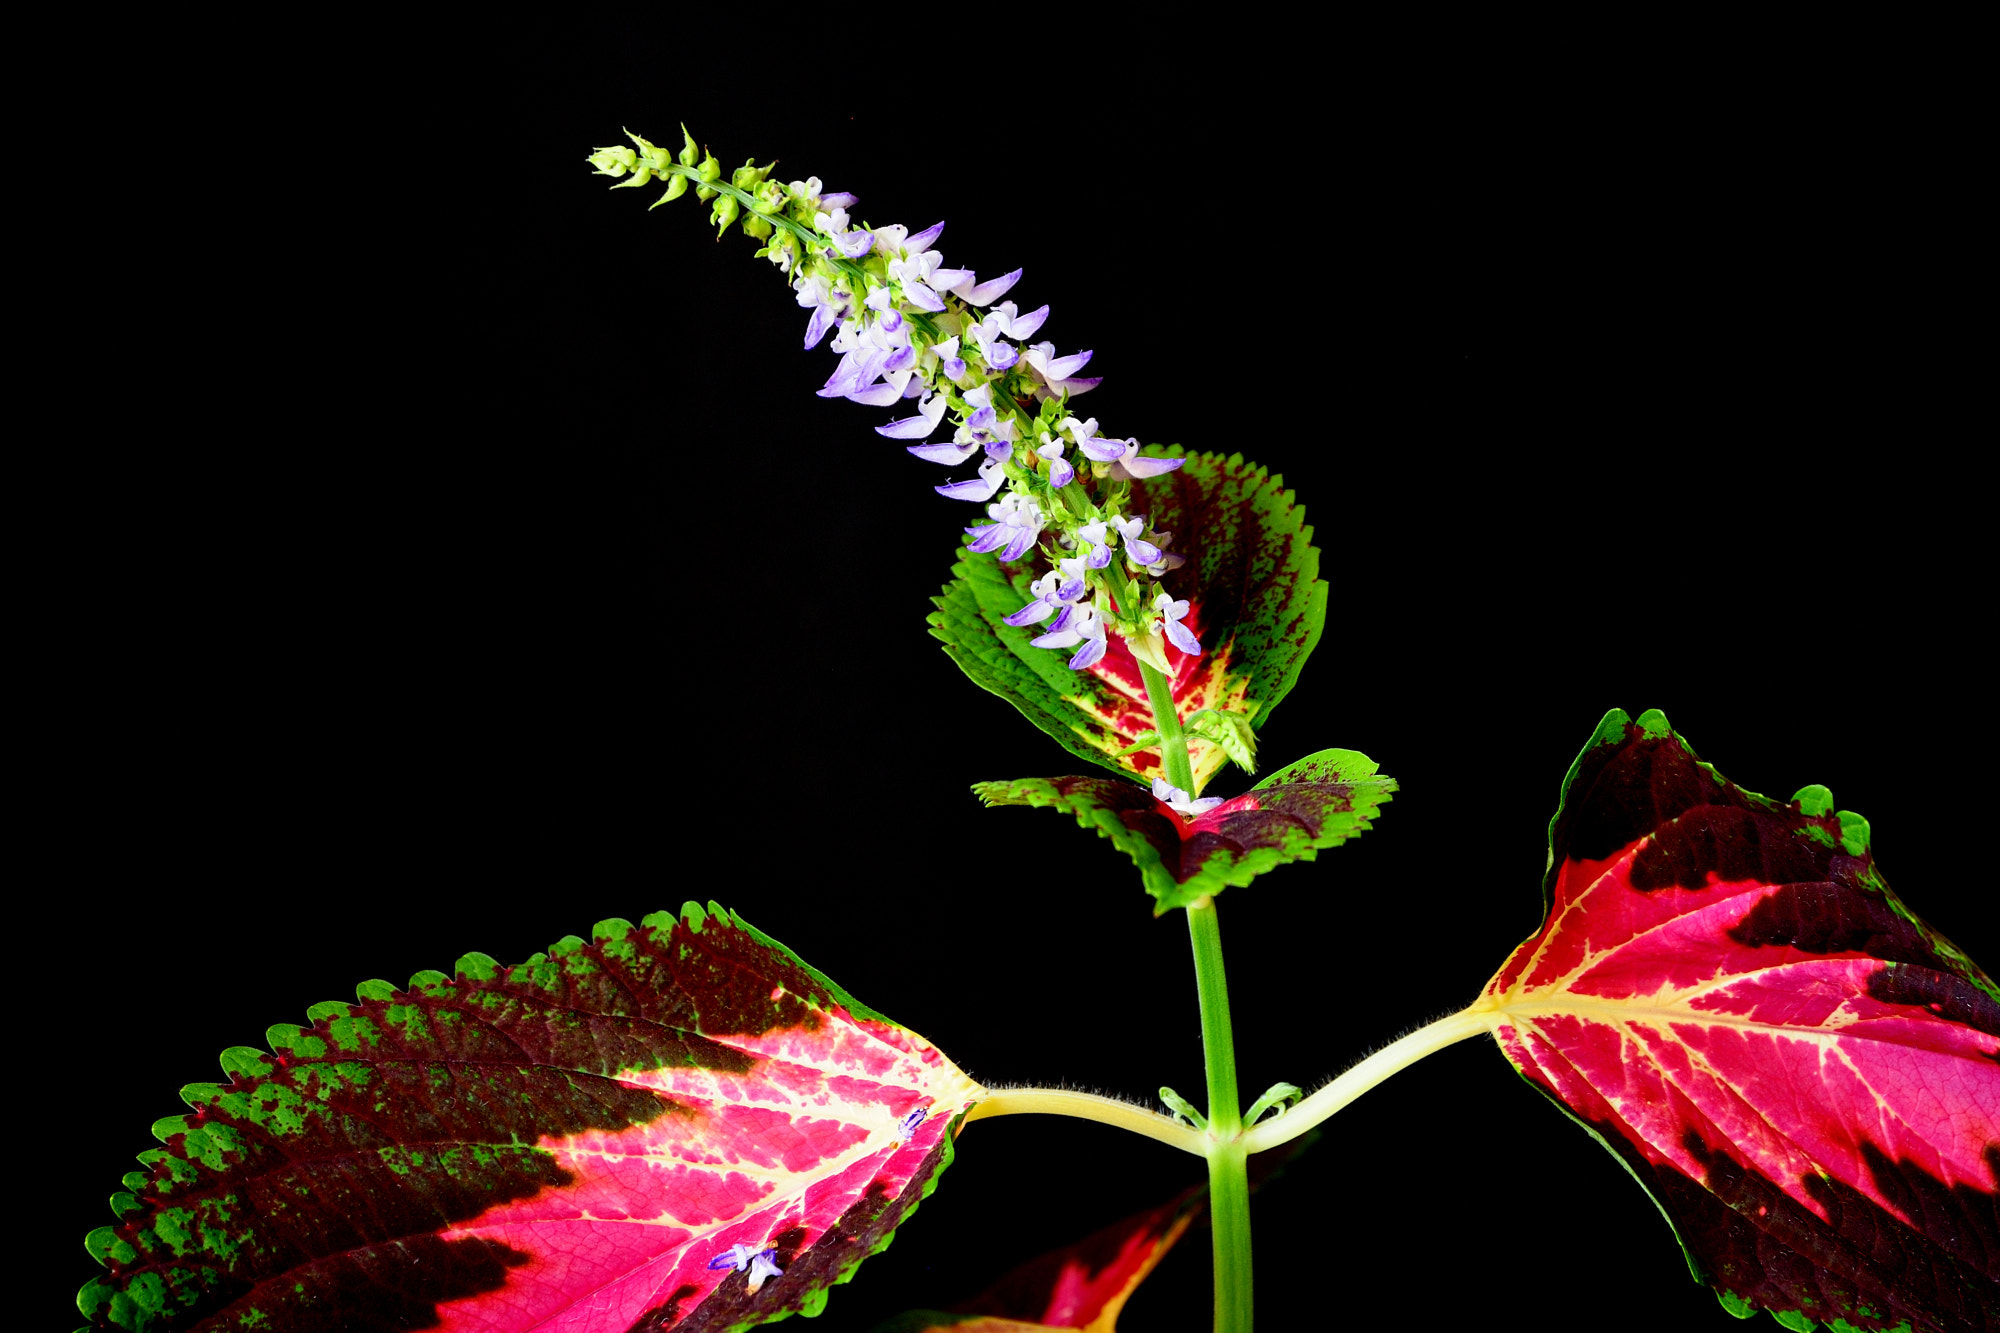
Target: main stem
1228 1177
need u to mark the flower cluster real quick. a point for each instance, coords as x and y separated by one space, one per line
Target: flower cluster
911 330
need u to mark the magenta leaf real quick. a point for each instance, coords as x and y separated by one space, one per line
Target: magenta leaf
1321 801
676 1125
1803 1075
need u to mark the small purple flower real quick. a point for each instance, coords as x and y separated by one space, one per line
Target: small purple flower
1129 465
1055 369
1004 319
1061 473
984 488
950 364
929 413
984 293
1086 629
1137 548
1044 605
1177 633
999 354
1100 544
906 1128
1017 522
1167 794
761 1263
829 306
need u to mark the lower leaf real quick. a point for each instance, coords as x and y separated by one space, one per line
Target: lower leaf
678 1124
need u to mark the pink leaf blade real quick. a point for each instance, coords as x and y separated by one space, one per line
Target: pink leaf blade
1804 1076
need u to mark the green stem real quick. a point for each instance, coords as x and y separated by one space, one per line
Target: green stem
1228 1181
1173 742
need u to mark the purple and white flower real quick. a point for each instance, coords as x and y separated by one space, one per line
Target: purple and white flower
1054 369
1167 794
929 413
1137 548
1004 319
981 294
1061 473
1172 613
1017 522
949 363
809 191
1054 591
912 263
829 305
1100 543
1086 628
761 1263
1128 465
983 488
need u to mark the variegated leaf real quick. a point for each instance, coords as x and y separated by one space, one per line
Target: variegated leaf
675 1125
1803 1074
1255 599
1318 802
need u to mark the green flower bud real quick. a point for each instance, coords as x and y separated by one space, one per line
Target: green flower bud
613 161
756 226
749 176
689 153
724 213
640 177
676 187
711 170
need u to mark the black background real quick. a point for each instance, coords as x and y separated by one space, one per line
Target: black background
503 573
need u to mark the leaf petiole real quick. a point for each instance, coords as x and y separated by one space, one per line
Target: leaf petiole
1396 1056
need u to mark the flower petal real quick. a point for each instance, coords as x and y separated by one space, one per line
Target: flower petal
988 292
944 453
1150 467
1177 634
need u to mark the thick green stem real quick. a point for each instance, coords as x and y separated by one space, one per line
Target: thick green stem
1228 1182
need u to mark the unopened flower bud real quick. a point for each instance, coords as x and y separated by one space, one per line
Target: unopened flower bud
613 161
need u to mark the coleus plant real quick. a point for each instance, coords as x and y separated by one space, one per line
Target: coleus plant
680 1124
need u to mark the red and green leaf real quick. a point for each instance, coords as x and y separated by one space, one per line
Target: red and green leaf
1803 1075
1320 801
565 1144
1255 599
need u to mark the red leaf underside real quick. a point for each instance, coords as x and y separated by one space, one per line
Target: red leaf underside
1805 1077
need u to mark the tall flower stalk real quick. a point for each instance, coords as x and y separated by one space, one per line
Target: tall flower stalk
942 347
